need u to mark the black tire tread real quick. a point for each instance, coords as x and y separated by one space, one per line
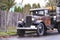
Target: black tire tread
20 32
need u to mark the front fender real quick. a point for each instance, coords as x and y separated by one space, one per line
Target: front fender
39 21
20 23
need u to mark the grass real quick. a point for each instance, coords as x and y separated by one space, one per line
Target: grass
3 34
10 31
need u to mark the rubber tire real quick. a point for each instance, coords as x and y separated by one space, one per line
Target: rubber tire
58 27
20 32
44 30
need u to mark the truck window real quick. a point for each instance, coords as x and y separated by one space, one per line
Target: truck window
46 13
39 13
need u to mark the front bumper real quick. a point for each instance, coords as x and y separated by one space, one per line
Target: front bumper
27 28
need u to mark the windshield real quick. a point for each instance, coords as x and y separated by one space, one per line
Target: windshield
40 13
46 13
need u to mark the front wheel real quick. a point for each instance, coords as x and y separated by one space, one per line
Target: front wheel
58 27
20 32
41 30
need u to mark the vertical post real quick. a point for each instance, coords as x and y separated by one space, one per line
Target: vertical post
22 6
58 11
0 19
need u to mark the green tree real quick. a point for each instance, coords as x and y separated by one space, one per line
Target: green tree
3 6
6 4
38 5
34 5
26 9
50 3
10 3
17 9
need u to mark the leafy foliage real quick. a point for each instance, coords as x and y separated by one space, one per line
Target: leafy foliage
36 5
50 3
26 8
6 4
17 9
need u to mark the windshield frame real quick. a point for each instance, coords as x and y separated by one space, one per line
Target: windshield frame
34 12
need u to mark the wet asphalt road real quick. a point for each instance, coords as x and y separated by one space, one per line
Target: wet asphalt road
51 35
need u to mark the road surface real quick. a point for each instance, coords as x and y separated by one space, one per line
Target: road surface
52 35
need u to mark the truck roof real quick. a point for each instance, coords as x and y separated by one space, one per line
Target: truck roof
36 9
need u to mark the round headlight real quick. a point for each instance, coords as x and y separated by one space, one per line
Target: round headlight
54 17
22 19
33 19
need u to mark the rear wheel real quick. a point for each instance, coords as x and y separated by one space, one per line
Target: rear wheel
41 30
58 27
20 32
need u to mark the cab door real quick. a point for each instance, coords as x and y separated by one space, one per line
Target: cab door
47 20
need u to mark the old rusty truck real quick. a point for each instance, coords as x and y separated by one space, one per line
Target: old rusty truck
40 21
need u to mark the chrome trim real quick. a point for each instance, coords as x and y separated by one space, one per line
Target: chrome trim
25 28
